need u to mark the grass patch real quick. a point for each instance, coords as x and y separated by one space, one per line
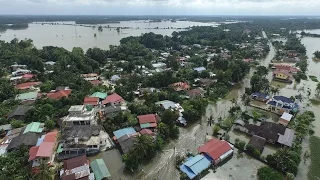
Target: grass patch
313 78
315 101
314 169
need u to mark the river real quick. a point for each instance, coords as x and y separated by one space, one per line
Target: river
69 35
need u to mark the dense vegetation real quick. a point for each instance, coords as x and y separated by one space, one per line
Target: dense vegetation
267 173
314 169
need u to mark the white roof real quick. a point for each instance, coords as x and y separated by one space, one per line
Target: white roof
286 116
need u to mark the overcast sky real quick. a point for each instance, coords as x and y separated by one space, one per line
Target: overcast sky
160 7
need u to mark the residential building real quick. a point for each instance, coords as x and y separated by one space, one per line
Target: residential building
90 76
180 86
6 128
292 53
257 142
29 139
99 95
148 120
115 78
286 67
35 127
239 125
204 82
94 101
11 134
272 132
96 82
194 93
217 150
125 131
113 99
147 132
165 54
199 69
20 72
126 142
28 76
112 111
280 104
166 104
83 140
195 165
283 76
159 65
59 94
44 149
27 85
260 97
19 112
14 67
100 170
81 115
76 168
285 119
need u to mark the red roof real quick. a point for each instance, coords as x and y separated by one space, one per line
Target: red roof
287 67
75 162
146 132
51 137
45 149
113 98
89 75
215 148
27 85
27 76
91 100
148 118
33 152
180 86
59 94
96 82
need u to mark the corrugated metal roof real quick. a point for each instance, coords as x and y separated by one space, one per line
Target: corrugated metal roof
45 149
196 164
124 131
100 169
215 148
27 96
33 127
100 95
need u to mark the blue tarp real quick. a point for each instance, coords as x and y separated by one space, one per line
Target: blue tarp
195 165
40 140
124 131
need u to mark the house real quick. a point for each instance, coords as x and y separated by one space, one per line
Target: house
115 78
286 67
20 72
194 93
292 53
147 132
257 142
166 104
29 96
28 76
14 67
90 76
248 60
143 91
27 85
100 170
125 131
165 54
35 127
195 165
283 76
204 82
159 65
112 111
96 82
260 97
126 142
280 104
50 63
99 95
44 149
75 168
272 132
148 120
11 134
83 140
19 112
239 125
94 101
80 115
180 86
114 99
285 119
217 150
199 69
59 94
29 139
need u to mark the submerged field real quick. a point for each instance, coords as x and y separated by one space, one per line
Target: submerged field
314 169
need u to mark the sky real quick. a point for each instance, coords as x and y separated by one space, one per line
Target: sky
160 7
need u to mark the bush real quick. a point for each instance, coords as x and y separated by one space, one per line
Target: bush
267 173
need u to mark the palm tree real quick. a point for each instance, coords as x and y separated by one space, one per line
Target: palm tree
210 121
44 171
245 100
275 90
143 144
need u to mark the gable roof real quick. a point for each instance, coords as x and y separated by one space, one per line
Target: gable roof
166 104
195 165
96 82
146 132
195 92
27 76
27 96
260 95
124 131
33 127
180 86
267 130
99 95
27 85
147 118
257 142
283 99
20 110
51 136
29 139
126 142
286 116
215 148
59 94
75 162
287 138
100 169
113 98
91 101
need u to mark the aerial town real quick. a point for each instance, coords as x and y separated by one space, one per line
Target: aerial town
236 101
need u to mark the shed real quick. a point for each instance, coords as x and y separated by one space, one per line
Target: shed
285 118
100 169
195 165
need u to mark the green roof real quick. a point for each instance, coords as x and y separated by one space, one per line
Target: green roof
100 95
27 96
100 169
33 127
60 148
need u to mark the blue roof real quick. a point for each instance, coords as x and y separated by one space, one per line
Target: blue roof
260 95
199 69
195 165
40 140
283 99
124 131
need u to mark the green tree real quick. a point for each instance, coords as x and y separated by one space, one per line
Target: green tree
16 123
44 171
267 173
49 124
216 129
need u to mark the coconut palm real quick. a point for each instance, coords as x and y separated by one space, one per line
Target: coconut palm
275 90
44 171
210 121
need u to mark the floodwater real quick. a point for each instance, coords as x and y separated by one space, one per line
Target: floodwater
69 35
